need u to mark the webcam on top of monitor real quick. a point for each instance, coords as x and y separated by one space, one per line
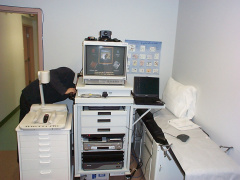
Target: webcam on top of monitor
105 35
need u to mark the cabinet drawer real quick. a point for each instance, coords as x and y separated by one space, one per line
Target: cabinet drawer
41 137
105 112
44 143
103 121
44 149
43 164
103 130
44 155
58 174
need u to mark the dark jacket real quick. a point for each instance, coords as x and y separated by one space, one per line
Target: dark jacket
60 80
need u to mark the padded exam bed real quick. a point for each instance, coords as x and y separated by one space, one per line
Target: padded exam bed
198 158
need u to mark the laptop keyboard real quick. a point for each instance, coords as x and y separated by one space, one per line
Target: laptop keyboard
148 101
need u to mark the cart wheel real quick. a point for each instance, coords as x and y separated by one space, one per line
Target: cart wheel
127 177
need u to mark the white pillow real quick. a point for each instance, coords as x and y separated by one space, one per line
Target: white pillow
180 99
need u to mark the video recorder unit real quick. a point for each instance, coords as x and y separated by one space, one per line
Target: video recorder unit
96 142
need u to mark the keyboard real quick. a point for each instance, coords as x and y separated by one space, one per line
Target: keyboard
148 101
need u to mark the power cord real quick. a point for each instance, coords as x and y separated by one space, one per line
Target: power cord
147 164
139 165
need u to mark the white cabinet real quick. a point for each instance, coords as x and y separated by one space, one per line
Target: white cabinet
102 119
156 166
45 154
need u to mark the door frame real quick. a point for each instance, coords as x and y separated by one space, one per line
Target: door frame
38 12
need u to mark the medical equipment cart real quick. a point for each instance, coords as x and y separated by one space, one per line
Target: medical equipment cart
45 153
102 132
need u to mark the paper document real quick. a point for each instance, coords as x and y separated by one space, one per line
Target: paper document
183 124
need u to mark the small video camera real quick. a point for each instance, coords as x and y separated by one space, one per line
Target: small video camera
105 35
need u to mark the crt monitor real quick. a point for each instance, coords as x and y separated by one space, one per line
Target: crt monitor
104 62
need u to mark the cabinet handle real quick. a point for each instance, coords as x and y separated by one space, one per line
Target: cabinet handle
104 130
45 172
104 113
104 120
43 144
43 138
45 156
45 162
44 150
43 134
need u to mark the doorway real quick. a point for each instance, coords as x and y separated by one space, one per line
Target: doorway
28 54
12 71
39 15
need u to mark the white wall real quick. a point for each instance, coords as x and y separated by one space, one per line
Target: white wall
12 77
207 56
67 23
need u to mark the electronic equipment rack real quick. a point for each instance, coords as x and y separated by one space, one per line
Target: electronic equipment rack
102 135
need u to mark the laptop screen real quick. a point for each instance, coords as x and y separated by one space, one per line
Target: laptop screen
146 87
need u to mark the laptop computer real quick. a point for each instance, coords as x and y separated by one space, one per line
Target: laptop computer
146 91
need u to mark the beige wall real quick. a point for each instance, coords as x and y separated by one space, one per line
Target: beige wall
12 78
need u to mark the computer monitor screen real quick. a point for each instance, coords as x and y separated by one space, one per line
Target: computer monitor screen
105 60
146 86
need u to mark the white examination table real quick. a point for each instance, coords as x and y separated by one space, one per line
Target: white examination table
199 157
